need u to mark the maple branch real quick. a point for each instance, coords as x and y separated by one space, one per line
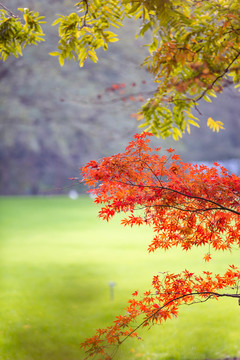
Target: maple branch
219 206
203 199
178 208
210 293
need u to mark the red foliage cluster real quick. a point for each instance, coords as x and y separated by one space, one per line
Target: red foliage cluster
186 205
160 303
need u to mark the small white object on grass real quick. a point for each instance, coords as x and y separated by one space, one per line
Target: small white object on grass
73 194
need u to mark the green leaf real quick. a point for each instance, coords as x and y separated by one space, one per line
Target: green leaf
57 21
61 60
207 98
92 55
54 53
191 115
194 123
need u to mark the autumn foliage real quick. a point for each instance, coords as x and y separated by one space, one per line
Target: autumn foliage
186 205
193 51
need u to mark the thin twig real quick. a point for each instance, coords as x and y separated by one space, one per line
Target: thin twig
9 11
218 77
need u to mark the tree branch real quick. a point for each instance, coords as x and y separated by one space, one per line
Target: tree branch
85 15
218 77
219 206
9 11
209 293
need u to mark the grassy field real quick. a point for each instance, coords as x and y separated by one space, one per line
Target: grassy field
57 259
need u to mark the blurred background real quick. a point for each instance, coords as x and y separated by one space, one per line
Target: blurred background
53 120
57 259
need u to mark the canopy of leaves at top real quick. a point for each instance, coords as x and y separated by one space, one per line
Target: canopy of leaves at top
193 53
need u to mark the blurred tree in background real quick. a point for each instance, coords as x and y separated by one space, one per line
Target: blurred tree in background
51 119
54 119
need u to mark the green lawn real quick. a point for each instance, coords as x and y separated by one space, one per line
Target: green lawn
57 259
